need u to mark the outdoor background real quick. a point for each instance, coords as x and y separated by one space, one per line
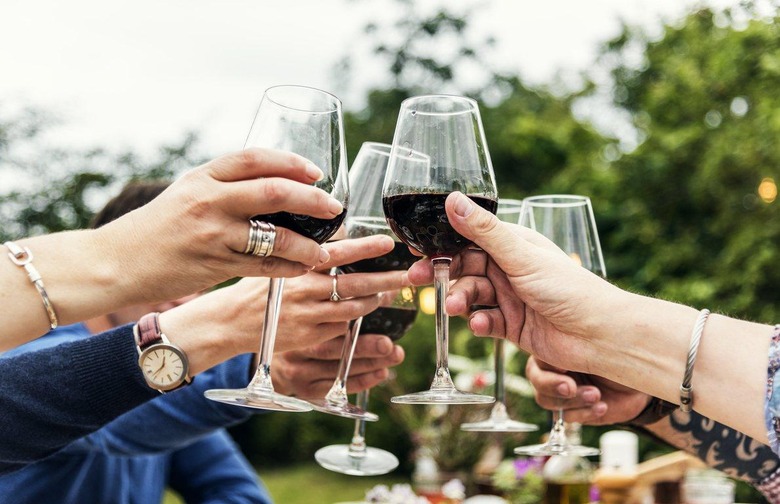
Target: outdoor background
665 113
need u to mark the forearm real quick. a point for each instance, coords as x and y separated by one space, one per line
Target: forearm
720 447
82 278
57 395
646 348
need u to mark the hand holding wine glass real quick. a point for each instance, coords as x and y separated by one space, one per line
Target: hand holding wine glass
439 147
307 122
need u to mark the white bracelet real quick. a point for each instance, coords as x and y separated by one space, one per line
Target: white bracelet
23 257
686 389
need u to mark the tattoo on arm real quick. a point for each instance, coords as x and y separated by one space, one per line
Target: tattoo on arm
720 447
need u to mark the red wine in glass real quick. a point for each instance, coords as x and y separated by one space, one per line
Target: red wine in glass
419 219
319 230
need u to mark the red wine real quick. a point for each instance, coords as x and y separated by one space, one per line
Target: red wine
390 321
318 230
420 221
397 259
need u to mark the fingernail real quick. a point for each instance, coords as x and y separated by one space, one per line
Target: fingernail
563 389
324 256
334 206
314 172
463 205
384 346
590 396
600 409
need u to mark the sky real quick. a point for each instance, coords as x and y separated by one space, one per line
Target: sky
136 74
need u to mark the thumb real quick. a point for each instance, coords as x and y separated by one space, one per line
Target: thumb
483 228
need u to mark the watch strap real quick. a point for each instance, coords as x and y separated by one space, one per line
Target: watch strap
148 331
655 410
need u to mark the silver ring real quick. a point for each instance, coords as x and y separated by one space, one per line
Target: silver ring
262 236
334 294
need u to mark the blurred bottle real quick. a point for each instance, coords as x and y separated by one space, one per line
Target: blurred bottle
617 473
568 477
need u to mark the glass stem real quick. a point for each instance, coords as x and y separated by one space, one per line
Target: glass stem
558 432
357 448
262 379
499 414
338 392
441 283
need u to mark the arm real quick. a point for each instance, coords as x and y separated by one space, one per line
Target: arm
187 239
213 470
597 401
555 309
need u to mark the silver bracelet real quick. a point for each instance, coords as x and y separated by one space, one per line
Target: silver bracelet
686 389
23 257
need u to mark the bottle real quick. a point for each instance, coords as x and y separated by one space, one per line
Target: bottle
617 474
568 477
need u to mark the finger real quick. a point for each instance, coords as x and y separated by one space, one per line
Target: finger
276 194
287 245
590 415
346 309
467 292
255 163
488 323
549 382
360 366
348 251
353 285
367 346
366 381
467 262
271 267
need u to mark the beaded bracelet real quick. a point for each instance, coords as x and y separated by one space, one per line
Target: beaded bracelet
23 257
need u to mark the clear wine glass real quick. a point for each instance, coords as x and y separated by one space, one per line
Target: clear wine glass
308 122
568 221
439 147
366 218
499 421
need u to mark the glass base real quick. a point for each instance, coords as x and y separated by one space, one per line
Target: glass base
550 449
346 410
258 400
443 396
491 425
373 463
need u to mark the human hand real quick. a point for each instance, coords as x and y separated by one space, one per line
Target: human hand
309 373
545 302
587 399
192 236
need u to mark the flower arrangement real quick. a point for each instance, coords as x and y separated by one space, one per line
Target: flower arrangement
520 480
452 492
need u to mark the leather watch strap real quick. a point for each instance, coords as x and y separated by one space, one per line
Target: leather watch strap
655 410
148 330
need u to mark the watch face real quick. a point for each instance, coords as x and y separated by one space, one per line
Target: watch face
163 366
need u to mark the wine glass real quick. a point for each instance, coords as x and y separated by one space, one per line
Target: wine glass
308 122
567 220
439 147
366 218
499 421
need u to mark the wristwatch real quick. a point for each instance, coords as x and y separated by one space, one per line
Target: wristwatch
164 365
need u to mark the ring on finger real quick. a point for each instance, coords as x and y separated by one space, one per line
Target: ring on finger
334 294
262 236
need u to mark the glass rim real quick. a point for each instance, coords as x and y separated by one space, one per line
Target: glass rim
336 102
378 147
574 200
473 105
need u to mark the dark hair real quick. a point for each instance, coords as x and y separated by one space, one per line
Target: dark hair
134 195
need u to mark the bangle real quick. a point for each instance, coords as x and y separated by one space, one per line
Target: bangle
655 410
23 257
686 389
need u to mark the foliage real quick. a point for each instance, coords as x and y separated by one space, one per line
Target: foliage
520 480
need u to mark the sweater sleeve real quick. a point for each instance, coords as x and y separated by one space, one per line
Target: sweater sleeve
176 419
213 471
54 396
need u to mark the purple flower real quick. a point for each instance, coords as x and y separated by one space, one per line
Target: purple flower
522 466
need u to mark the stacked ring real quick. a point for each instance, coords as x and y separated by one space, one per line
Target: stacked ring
261 238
